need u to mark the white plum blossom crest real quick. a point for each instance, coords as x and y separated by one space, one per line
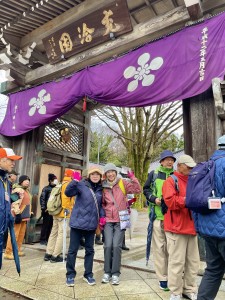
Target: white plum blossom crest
39 103
142 73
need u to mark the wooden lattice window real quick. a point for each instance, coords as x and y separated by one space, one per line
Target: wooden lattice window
52 136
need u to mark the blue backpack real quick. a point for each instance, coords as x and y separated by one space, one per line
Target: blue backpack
200 186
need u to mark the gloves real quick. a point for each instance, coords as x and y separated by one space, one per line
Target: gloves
18 219
102 222
130 174
76 176
131 201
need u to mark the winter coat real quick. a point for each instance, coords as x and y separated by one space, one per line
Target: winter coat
5 214
111 210
178 218
67 202
213 224
153 188
84 214
45 194
25 205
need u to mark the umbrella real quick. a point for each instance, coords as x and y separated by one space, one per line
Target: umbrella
149 235
10 225
133 220
14 245
64 236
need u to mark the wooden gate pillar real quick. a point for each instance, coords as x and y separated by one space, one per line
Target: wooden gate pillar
202 126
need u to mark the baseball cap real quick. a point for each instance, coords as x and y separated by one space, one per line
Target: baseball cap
187 160
221 141
9 153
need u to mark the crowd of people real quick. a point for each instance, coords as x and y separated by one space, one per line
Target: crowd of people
96 205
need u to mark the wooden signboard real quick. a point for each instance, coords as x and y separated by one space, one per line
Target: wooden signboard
98 27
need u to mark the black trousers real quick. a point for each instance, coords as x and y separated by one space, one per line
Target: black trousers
215 268
75 236
46 226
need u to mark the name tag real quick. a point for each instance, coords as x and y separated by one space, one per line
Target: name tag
6 196
214 203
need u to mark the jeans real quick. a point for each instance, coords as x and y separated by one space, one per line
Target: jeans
75 237
113 248
215 268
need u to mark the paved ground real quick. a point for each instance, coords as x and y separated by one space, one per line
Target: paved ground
6 295
44 280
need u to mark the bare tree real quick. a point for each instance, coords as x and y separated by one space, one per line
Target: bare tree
141 130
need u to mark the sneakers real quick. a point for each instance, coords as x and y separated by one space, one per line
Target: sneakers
20 253
8 256
163 286
47 257
56 259
106 278
191 296
175 297
43 243
115 280
98 242
89 280
70 281
124 247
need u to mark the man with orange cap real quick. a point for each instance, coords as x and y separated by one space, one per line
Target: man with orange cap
7 164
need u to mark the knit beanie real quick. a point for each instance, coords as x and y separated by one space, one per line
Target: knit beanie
23 178
51 177
94 169
68 173
110 167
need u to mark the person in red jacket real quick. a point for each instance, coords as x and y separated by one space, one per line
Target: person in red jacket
182 243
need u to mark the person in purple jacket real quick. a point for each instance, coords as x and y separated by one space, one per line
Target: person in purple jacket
84 221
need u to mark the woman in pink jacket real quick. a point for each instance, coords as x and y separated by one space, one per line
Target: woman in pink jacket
114 198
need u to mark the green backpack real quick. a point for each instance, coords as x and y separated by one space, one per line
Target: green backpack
54 205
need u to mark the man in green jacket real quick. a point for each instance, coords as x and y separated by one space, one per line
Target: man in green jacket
153 193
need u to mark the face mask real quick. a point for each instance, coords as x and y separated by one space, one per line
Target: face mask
55 181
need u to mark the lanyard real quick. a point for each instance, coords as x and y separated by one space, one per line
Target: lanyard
5 184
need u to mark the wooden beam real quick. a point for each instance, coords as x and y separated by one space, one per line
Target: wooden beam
141 34
212 5
194 9
62 20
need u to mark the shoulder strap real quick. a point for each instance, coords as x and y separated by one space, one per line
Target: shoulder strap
114 201
122 187
95 199
154 177
175 181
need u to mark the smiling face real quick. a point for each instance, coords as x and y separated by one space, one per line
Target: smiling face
7 164
111 175
167 162
95 177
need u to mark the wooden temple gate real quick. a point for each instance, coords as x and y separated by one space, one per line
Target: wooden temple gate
25 62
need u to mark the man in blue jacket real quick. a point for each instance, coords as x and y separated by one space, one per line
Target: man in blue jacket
212 227
7 163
